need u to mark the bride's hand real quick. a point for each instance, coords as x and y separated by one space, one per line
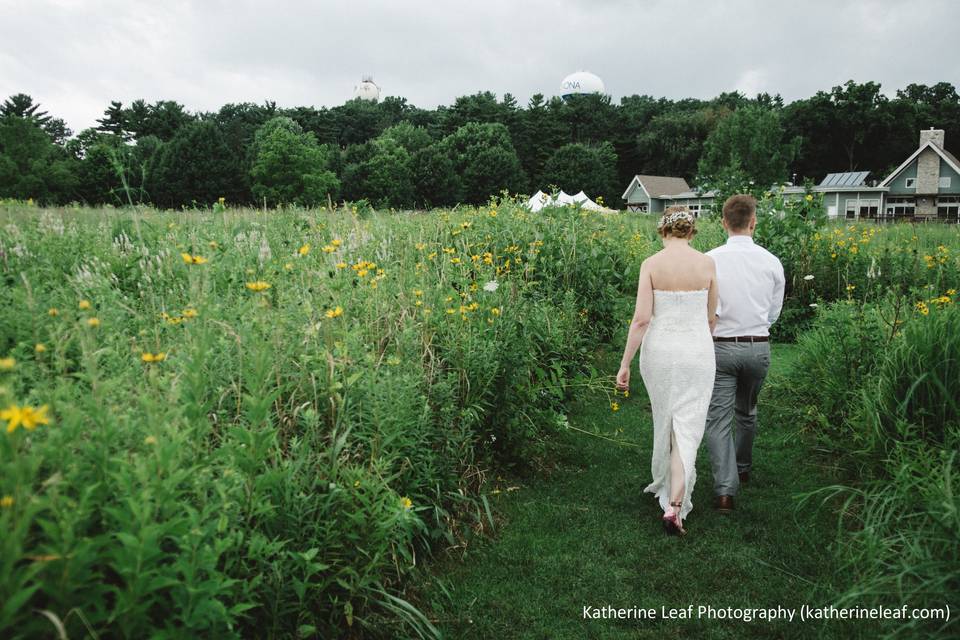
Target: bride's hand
623 378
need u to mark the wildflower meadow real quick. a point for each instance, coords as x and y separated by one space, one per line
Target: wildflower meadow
256 423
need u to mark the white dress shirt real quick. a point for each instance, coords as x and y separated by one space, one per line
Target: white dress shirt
750 285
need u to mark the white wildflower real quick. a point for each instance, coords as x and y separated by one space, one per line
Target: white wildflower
265 253
491 286
808 277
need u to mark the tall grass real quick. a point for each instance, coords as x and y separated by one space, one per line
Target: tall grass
260 422
878 387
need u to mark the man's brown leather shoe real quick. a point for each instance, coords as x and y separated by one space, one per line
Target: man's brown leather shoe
744 477
723 504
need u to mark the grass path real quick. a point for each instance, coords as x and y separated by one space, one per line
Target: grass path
585 534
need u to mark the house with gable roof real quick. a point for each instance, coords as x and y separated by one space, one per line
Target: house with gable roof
925 187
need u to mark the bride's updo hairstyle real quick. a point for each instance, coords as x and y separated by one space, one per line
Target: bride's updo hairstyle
677 222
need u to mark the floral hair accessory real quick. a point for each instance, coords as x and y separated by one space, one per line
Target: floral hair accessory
672 217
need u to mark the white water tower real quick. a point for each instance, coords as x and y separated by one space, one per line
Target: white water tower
581 82
367 89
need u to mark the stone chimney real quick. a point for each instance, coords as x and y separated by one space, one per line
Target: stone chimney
931 135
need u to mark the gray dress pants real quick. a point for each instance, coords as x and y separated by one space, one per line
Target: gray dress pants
741 370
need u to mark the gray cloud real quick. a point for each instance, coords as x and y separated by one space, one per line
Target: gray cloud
74 56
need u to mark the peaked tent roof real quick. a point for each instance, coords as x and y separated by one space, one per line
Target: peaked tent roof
943 153
539 200
585 202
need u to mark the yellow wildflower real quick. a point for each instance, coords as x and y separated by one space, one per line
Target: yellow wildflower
189 259
923 308
335 312
53 312
25 416
615 406
406 502
341 265
258 285
329 248
153 357
40 347
8 363
335 242
190 313
150 440
93 322
809 197
6 502
304 250
83 304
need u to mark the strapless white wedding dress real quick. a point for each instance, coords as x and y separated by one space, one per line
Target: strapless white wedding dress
678 367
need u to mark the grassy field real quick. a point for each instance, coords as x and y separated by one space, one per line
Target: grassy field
586 535
261 424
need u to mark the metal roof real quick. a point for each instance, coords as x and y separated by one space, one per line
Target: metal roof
847 179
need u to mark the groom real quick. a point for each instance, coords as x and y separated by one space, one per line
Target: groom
750 285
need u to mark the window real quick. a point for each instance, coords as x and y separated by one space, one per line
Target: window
945 182
900 207
948 208
862 209
869 208
911 183
694 209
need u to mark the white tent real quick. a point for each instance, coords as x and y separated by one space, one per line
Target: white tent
584 201
540 200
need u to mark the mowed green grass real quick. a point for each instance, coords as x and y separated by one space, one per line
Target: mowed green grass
585 534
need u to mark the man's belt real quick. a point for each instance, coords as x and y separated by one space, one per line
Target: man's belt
742 339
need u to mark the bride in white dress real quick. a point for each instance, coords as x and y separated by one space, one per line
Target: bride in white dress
672 326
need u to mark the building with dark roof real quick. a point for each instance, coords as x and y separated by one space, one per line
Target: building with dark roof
926 186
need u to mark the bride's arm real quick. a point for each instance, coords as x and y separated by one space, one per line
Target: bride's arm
641 316
712 297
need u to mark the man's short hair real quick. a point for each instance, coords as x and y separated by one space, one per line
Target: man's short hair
738 210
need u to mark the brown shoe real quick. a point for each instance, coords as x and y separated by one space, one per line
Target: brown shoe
723 504
744 477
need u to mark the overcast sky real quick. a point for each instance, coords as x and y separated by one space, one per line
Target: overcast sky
75 56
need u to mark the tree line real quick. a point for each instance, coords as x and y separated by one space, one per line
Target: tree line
394 154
